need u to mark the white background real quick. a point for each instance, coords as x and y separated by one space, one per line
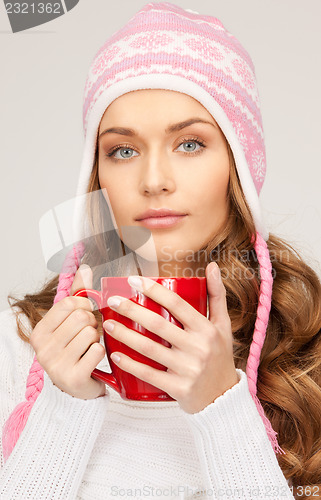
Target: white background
43 72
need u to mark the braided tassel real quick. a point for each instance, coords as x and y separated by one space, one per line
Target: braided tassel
263 312
18 418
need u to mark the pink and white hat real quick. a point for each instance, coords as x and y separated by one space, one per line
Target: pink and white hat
164 46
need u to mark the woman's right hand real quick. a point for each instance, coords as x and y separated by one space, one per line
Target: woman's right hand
66 342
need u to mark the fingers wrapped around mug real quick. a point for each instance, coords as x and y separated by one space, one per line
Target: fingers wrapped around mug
200 364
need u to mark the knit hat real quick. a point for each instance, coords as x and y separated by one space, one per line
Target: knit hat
164 46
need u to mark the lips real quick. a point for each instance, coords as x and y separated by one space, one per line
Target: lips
162 222
160 212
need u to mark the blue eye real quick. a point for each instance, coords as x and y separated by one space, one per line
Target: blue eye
191 142
121 150
126 148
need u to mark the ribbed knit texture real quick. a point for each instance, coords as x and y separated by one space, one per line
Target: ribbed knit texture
90 450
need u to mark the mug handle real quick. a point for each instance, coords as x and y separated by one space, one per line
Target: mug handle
107 378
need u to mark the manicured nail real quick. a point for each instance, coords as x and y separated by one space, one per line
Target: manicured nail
115 357
136 282
217 272
83 268
114 301
108 326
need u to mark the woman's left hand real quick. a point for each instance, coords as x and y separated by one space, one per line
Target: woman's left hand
200 363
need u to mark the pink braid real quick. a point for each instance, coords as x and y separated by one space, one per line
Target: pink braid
18 418
263 312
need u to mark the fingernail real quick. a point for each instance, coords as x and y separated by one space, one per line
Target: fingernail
114 301
136 282
85 275
83 268
115 357
109 326
217 272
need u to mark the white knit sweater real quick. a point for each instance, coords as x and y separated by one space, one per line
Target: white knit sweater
111 448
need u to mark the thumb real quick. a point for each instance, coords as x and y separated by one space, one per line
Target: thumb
218 312
83 279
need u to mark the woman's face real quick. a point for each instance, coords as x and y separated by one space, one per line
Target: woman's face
160 163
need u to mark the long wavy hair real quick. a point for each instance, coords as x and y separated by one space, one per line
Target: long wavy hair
289 374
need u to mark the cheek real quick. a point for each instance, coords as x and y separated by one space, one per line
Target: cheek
118 187
116 207
212 191
219 191
112 198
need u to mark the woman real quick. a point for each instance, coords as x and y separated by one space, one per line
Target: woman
166 68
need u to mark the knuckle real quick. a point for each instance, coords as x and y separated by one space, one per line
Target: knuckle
183 390
91 333
98 349
195 369
149 349
81 316
175 301
157 322
43 357
211 336
145 373
149 285
93 319
68 303
176 304
203 351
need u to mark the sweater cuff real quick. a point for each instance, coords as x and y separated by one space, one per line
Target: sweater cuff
237 394
62 401
233 445
231 413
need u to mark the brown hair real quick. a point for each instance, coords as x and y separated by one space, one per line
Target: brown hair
289 374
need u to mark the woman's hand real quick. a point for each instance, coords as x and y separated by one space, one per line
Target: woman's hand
66 342
200 363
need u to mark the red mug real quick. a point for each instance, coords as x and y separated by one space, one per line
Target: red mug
192 289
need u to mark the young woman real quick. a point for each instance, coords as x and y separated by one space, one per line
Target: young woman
172 121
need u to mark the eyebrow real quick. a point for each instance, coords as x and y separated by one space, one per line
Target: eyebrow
169 130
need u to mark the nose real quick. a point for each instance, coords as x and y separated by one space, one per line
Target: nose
156 175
